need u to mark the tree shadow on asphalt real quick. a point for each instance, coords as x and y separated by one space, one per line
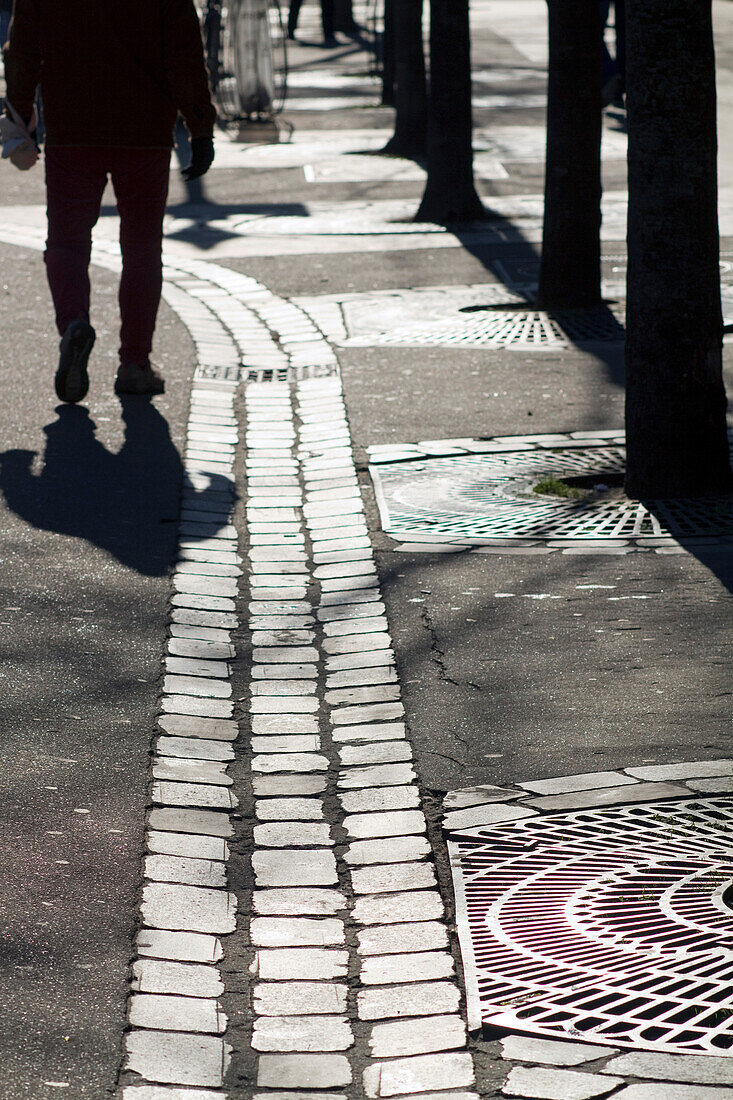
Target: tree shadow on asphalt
125 502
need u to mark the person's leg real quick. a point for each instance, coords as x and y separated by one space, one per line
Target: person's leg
608 65
140 180
293 14
619 18
75 180
328 19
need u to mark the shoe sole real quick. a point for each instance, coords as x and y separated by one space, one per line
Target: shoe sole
150 390
72 379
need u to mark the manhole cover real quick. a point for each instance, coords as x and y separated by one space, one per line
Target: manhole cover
612 925
472 498
505 328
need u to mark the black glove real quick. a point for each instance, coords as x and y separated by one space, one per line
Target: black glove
202 157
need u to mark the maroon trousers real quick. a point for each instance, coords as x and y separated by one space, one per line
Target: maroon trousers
75 180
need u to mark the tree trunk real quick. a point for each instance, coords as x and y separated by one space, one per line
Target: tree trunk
410 90
675 399
388 59
570 271
450 193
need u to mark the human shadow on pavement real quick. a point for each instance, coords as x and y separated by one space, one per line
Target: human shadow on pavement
126 503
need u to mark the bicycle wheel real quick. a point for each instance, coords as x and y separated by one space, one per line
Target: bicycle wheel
252 61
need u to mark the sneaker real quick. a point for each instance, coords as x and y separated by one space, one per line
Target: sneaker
139 378
72 380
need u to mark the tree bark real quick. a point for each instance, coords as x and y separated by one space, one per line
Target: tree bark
570 270
410 89
675 398
450 193
388 59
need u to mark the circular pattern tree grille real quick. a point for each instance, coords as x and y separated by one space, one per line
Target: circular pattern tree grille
611 925
471 498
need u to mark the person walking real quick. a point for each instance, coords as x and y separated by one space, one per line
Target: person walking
327 20
114 77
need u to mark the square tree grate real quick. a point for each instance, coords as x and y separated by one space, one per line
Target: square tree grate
613 925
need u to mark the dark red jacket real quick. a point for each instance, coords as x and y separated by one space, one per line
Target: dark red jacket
112 72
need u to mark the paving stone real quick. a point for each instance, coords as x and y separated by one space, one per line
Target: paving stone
722 784
558 1084
172 819
279 687
372 659
299 998
415 905
369 581
291 742
399 938
302 1033
345 569
189 704
202 603
282 964
452 1094
283 723
290 762
313 867
214 729
292 704
193 845
193 794
191 647
434 998
382 752
188 616
392 823
280 622
361 677
289 809
183 946
352 596
568 783
297 784
274 672
397 850
370 693
375 712
193 748
697 1069
188 908
414 966
280 607
183 1058
357 643
185 770
284 654
350 611
385 878
163 1092
296 932
486 814
525 1048
297 902
171 1013
610 796
275 592
379 775
380 798
292 834
681 1092
401 1038
205 585
303 1071
355 626
195 872
405 1076
694 770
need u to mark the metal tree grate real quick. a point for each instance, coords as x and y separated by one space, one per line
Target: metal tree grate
487 497
612 925
497 327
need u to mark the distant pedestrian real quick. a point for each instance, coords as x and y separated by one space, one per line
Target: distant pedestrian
114 75
327 20
613 69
